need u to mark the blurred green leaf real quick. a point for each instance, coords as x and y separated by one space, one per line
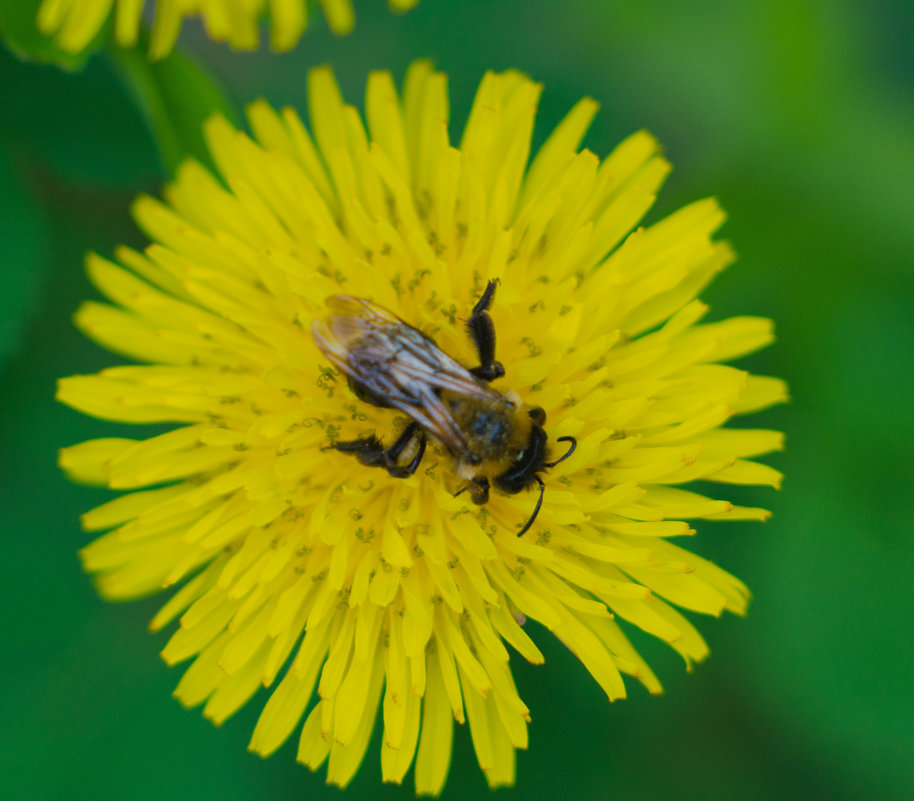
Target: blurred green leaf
22 254
81 127
176 96
21 34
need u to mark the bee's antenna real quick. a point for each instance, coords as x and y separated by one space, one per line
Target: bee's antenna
574 444
536 511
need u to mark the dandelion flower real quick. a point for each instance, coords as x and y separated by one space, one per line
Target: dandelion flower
347 592
76 22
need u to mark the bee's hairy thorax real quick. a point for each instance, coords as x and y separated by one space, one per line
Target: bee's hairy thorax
496 432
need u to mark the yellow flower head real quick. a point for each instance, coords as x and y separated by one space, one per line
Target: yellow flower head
76 22
335 585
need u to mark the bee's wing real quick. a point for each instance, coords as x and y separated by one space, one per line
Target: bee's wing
396 363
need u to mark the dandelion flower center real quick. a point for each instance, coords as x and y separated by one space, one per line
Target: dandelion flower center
345 591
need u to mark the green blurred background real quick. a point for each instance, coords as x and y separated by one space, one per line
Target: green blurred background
799 116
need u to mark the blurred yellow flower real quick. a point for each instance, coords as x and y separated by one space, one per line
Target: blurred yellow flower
341 588
75 23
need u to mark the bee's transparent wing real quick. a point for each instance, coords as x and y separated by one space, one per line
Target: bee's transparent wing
397 364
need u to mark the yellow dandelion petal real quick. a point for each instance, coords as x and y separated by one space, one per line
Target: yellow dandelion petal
352 592
74 23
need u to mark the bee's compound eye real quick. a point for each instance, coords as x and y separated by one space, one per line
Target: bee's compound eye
537 415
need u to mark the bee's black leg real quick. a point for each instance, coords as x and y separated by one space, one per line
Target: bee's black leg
412 431
482 330
371 452
479 491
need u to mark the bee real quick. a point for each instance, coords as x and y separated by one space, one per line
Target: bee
493 438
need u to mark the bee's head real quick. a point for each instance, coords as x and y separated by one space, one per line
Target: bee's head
531 461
